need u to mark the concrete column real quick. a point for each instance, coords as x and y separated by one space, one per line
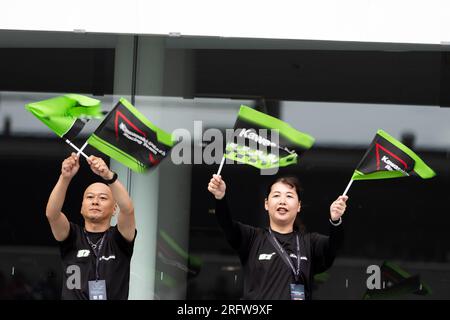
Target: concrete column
167 198
142 187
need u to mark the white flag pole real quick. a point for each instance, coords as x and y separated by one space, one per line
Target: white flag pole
348 187
221 166
82 148
76 148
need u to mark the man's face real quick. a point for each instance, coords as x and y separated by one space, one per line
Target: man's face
98 203
282 204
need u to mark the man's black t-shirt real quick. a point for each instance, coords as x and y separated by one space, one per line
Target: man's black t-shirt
79 263
266 275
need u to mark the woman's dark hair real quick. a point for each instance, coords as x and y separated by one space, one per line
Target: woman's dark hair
291 181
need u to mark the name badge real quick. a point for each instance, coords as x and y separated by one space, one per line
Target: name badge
97 290
297 291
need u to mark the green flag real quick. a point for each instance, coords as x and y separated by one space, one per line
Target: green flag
388 158
255 144
66 115
127 136
395 281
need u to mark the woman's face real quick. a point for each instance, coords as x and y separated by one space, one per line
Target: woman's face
282 204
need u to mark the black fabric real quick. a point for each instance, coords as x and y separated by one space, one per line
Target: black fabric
266 275
114 264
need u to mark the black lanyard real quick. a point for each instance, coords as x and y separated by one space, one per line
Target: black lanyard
96 249
285 256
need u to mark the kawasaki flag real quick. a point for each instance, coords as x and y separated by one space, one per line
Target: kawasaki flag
254 143
66 115
389 158
127 136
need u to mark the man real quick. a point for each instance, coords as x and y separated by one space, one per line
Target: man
96 257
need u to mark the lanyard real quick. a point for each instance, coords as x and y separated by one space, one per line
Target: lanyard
285 256
96 248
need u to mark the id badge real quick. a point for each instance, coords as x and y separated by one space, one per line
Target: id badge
297 291
97 290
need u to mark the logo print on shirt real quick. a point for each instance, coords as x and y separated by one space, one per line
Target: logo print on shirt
295 257
266 256
83 253
107 258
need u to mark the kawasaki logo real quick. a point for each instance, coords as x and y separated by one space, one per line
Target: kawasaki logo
252 135
392 166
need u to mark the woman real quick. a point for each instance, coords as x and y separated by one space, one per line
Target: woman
279 262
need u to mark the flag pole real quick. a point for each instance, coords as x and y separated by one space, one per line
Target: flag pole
348 187
82 148
76 148
221 165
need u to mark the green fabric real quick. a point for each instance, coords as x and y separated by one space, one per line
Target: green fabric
357 175
162 136
117 154
193 259
60 113
398 282
128 155
263 120
420 168
424 290
263 159
257 158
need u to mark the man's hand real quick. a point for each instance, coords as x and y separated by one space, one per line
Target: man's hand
99 167
337 208
70 166
217 186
